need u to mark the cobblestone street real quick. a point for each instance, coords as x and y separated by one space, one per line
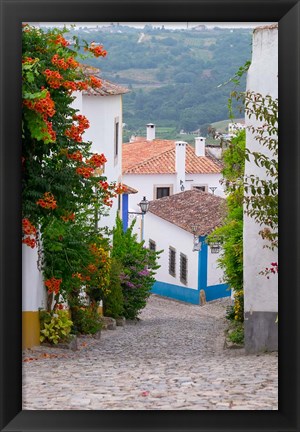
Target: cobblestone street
172 359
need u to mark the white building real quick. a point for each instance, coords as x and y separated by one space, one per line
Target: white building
175 224
103 108
159 168
235 127
260 293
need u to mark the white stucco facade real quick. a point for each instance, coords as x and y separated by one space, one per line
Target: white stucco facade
214 273
260 291
146 184
166 234
202 271
261 294
33 291
105 116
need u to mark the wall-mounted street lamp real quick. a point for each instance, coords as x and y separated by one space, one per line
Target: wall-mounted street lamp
215 247
181 186
144 205
213 188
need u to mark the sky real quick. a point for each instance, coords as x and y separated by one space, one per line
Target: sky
171 25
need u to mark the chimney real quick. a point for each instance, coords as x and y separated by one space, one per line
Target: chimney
150 132
200 146
180 150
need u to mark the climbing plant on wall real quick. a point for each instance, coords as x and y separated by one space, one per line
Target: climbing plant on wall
231 232
61 188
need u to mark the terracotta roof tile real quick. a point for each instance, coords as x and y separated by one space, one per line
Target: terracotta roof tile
107 89
129 189
158 157
191 208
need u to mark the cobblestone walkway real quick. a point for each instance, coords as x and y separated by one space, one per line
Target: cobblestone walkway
173 359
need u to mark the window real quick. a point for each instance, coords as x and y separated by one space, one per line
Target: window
172 261
116 137
161 191
152 245
201 187
183 268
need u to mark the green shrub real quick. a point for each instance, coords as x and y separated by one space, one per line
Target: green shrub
113 302
138 269
55 326
230 313
86 320
237 335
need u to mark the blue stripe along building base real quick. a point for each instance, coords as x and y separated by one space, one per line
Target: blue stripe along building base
214 292
176 292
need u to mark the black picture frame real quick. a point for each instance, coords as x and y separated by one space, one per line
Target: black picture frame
13 13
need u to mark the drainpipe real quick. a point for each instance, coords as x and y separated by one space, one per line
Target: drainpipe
180 156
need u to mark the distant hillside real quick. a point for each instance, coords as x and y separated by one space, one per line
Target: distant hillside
174 75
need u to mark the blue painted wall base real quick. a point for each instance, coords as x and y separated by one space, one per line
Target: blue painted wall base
214 292
176 292
190 295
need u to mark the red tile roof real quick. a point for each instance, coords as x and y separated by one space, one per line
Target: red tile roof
107 89
158 157
191 208
129 189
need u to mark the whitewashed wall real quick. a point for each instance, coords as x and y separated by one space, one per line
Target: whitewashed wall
212 180
101 112
165 235
33 290
144 183
214 273
261 294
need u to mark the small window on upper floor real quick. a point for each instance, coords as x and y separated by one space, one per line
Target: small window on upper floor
203 188
152 245
116 144
162 192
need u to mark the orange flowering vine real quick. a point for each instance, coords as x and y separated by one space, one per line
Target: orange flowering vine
94 82
54 78
96 49
120 188
97 160
44 106
85 172
60 40
76 156
48 201
53 285
75 131
68 217
103 184
64 64
29 231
